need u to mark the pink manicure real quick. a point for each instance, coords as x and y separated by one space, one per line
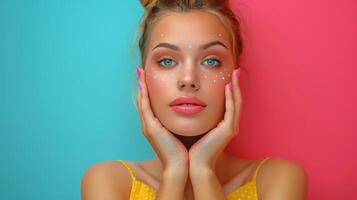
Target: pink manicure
231 86
138 71
238 72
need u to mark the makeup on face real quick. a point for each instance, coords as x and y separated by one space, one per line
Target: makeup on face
187 105
188 49
167 51
212 78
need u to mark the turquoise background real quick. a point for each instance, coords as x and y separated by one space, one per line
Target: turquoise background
68 88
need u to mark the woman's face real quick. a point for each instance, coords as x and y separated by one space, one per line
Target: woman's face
188 54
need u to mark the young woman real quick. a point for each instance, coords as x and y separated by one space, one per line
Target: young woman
190 103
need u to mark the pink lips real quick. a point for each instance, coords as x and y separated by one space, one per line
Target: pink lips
179 105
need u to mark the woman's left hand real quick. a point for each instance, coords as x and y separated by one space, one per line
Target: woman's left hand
204 153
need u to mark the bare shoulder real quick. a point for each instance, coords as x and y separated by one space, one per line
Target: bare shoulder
281 178
106 180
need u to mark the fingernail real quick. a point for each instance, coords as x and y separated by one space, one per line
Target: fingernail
138 71
238 72
231 86
140 85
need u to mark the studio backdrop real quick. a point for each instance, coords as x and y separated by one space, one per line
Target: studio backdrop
68 88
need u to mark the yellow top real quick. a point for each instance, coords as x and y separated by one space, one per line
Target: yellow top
142 191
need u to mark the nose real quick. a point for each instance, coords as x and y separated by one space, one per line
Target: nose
188 81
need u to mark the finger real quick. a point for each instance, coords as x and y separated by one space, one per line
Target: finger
138 102
237 99
215 143
229 113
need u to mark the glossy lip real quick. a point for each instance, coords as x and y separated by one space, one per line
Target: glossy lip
198 107
187 99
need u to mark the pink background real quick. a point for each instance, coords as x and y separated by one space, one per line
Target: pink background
299 89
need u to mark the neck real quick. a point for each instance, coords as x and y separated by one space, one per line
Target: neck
188 141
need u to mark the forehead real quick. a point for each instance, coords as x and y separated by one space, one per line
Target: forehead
189 27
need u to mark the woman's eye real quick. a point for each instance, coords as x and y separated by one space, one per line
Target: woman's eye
166 62
212 62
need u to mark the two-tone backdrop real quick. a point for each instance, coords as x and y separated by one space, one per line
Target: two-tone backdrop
67 91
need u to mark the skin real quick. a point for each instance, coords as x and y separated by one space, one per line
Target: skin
193 157
191 70
190 65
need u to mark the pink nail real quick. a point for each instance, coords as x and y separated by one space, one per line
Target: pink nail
238 72
138 71
231 86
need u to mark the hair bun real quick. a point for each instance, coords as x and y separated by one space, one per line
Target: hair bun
148 3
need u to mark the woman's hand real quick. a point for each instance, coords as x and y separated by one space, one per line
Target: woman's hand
204 153
171 152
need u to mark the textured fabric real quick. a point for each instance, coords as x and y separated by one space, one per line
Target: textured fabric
142 191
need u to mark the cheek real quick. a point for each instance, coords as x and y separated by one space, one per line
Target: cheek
217 79
159 78
214 86
157 75
160 84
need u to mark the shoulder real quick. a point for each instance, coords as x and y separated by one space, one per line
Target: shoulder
280 178
106 180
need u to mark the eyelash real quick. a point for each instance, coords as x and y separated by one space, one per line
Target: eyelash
219 61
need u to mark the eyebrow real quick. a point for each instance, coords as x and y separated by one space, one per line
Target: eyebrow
176 48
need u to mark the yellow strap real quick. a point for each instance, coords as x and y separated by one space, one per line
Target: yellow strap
260 164
129 168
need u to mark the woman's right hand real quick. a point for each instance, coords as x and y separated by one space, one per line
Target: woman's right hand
171 152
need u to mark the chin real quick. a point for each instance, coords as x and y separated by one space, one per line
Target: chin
188 134
188 126
185 130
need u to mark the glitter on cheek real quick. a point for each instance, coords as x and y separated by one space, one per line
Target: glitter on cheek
164 78
216 78
158 76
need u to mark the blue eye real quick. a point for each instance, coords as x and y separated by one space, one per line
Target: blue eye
213 62
166 62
